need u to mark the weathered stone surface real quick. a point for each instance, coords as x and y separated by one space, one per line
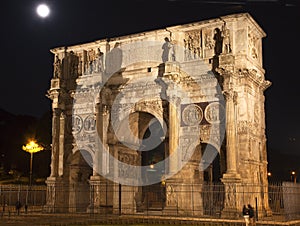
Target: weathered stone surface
198 81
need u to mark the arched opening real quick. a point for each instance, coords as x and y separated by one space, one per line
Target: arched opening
211 163
213 190
152 153
80 171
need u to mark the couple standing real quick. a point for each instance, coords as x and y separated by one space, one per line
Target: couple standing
248 213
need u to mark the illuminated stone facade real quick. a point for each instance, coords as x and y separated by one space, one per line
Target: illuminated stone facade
192 80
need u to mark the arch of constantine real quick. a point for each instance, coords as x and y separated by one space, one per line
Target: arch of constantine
151 121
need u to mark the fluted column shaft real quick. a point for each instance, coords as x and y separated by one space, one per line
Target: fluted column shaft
55 142
231 138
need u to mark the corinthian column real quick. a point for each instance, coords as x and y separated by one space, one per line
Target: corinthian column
61 144
55 142
173 135
231 179
231 139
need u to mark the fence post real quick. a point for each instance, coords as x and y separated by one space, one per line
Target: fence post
256 210
120 200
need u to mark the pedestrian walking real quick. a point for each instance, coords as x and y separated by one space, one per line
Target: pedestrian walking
251 215
245 213
18 207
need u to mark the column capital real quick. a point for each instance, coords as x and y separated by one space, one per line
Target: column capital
174 99
230 94
56 111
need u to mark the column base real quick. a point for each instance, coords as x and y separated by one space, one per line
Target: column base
100 209
232 213
57 195
232 177
183 198
232 205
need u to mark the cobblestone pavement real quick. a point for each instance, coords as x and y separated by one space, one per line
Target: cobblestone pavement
135 220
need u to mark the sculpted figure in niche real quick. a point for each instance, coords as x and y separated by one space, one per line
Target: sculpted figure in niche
187 50
57 67
80 68
98 62
218 41
90 62
226 39
73 62
79 56
168 51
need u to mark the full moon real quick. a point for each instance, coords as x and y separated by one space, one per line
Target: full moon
43 10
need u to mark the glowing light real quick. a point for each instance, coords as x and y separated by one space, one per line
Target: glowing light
32 147
43 10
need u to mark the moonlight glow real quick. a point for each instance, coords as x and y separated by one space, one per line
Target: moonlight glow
43 10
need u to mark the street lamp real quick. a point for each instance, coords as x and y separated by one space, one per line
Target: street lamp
293 176
32 147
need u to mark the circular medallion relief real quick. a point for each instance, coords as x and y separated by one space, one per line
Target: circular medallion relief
89 123
214 113
192 115
76 124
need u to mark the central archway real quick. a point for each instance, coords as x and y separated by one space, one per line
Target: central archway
151 151
153 195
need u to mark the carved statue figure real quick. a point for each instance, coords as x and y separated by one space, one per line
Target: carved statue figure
73 63
167 51
98 62
226 39
218 41
252 45
57 67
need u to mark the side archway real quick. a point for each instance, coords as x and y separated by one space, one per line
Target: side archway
80 169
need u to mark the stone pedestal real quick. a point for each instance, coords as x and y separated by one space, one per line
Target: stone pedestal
124 199
171 207
101 195
57 195
232 202
128 204
183 198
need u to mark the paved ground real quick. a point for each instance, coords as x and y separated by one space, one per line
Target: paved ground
93 220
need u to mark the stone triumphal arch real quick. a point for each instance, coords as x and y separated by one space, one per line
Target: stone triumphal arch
148 120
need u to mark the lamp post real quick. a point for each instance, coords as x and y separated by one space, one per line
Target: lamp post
32 147
293 176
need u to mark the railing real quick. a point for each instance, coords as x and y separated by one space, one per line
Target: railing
283 200
33 197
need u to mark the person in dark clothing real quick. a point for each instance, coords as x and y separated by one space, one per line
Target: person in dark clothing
18 207
251 215
246 215
26 208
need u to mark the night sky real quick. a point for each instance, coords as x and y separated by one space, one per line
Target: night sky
26 40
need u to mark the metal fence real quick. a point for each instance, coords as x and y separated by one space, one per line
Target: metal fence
283 199
33 197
